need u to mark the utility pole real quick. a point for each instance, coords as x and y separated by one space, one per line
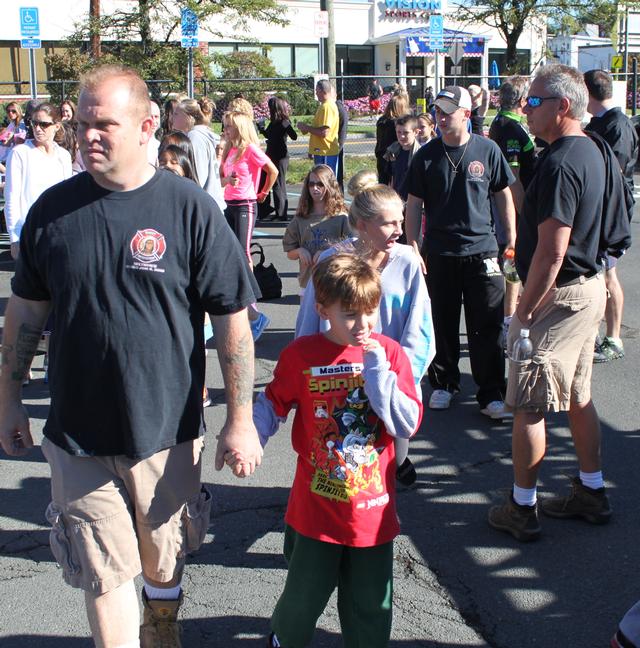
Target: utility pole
94 13
329 55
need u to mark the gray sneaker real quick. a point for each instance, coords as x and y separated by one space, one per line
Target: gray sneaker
608 350
520 521
590 504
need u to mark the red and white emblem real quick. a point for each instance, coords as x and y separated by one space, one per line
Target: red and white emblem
148 246
476 169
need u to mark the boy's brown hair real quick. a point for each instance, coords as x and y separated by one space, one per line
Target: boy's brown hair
348 279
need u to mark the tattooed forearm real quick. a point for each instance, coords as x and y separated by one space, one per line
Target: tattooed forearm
237 360
25 348
6 354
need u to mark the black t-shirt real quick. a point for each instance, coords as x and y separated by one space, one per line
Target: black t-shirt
398 172
276 133
618 132
477 122
129 276
385 135
569 185
457 205
511 135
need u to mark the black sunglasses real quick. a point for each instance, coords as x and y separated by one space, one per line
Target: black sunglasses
41 124
313 183
534 102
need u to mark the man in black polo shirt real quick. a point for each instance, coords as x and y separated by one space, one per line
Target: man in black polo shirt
561 305
508 130
454 177
617 131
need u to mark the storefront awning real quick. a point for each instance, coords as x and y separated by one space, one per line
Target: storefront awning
417 43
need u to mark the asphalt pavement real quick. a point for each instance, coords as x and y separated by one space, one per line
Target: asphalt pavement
457 581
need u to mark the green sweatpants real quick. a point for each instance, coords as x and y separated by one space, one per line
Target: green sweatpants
364 576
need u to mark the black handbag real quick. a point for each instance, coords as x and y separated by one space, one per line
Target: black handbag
266 275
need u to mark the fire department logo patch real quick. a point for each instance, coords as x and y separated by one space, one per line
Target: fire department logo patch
148 246
476 169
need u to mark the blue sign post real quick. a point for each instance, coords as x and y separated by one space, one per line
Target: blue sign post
189 33
29 33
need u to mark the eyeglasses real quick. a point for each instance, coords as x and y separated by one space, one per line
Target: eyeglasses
534 102
41 124
314 183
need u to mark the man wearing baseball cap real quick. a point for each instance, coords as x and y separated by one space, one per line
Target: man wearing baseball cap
454 177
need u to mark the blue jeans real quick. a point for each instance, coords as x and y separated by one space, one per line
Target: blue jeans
330 160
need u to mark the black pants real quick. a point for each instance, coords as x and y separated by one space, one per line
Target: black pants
241 216
279 192
480 283
340 176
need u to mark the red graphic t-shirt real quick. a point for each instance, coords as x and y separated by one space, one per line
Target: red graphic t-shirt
344 487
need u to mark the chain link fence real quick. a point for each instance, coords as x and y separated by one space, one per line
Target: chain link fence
353 91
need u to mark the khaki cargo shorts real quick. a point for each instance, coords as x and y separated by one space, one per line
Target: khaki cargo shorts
563 333
114 517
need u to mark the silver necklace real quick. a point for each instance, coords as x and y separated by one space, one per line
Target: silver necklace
454 167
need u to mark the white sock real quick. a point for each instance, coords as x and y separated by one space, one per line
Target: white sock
132 644
162 593
592 480
616 340
525 496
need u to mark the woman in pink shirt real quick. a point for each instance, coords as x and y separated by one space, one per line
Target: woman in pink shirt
242 162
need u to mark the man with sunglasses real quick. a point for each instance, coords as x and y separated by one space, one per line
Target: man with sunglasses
561 305
454 177
616 129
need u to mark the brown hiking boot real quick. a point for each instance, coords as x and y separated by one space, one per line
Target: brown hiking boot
160 627
589 504
520 521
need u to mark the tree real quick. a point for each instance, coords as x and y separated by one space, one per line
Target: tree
145 34
512 17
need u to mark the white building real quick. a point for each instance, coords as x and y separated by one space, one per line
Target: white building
584 51
382 38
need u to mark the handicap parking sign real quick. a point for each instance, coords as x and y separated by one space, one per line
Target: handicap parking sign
29 21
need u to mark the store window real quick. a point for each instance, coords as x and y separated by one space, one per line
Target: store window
356 59
306 59
282 59
224 50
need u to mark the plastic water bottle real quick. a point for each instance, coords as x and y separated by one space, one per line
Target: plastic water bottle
509 266
522 347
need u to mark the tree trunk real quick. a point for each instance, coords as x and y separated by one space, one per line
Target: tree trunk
94 14
145 26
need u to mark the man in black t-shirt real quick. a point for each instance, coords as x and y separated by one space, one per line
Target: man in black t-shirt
128 258
618 132
454 178
509 132
560 307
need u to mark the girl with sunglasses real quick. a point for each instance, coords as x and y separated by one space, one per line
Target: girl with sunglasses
32 168
320 220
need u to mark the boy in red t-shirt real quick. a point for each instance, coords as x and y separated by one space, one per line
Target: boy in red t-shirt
354 392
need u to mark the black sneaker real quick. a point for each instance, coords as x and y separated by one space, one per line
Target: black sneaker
520 521
590 504
406 473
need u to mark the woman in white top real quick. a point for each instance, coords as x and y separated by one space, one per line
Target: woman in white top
193 118
32 168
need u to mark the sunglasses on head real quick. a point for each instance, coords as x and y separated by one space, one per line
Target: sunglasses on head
534 102
41 124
